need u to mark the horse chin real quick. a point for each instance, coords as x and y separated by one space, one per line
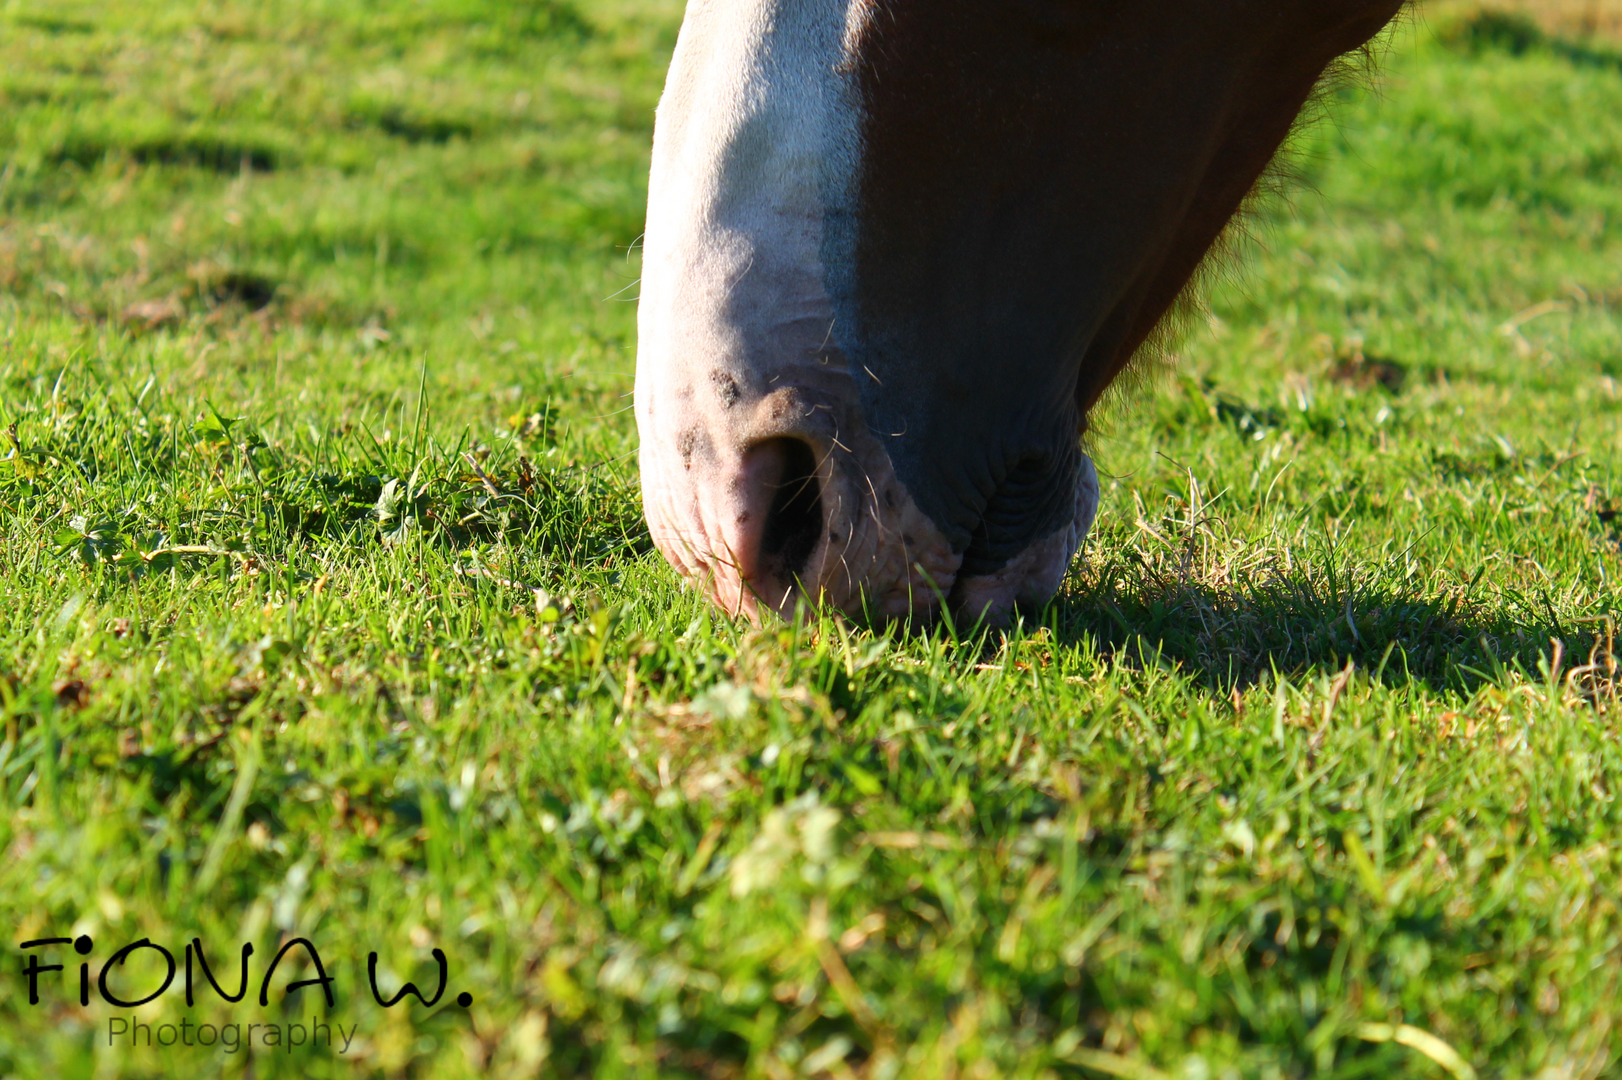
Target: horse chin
1032 577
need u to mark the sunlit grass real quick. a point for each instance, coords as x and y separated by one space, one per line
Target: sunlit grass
331 612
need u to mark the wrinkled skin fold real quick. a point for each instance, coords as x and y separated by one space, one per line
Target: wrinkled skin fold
896 251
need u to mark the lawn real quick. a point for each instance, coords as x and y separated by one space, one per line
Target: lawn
330 614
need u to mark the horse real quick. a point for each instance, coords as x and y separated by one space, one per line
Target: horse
896 253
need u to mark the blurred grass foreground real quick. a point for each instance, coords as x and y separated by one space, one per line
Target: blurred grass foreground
329 613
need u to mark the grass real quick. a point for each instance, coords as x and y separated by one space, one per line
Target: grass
331 612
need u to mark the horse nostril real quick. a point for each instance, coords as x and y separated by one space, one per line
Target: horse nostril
787 467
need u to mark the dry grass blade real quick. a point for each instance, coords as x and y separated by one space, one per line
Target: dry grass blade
1421 1040
1102 1061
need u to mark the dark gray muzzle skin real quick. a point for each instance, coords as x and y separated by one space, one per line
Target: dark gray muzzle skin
897 251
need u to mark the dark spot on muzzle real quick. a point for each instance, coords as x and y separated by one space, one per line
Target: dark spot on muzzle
726 387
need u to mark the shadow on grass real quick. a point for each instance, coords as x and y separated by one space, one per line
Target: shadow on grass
1233 634
210 151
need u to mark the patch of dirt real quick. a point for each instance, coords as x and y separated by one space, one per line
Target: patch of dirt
1577 18
254 291
1366 371
1587 33
1603 508
153 314
212 289
71 693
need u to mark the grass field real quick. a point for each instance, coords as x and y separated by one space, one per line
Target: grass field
329 612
